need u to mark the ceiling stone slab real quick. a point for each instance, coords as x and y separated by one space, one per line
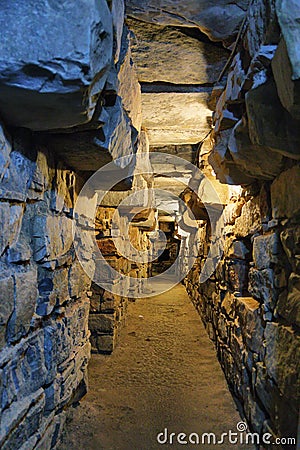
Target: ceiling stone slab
54 61
176 118
167 54
219 19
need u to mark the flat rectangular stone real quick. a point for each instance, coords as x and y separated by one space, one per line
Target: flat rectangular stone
176 118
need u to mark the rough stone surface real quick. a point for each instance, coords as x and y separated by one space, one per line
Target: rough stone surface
287 83
284 194
290 239
250 304
267 123
220 20
57 69
282 358
267 251
157 50
168 384
129 87
167 122
266 164
288 16
44 344
288 305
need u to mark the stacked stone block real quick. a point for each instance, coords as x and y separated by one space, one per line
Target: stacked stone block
44 336
107 309
250 307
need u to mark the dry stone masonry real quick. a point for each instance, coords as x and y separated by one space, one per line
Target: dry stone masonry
215 83
250 306
70 103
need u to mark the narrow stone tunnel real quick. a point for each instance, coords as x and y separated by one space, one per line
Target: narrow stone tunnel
149 205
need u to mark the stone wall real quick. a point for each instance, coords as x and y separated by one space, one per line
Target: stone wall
107 309
44 336
250 305
71 103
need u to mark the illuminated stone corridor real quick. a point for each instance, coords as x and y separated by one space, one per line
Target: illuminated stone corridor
146 144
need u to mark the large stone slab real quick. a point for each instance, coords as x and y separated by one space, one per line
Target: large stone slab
255 160
288 305
117 8
287 81
219 19
167 54
282 358
54 61
176 118
129 87
285 194
91 149
288 13
267 123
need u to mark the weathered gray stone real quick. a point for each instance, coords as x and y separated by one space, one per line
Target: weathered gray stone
19 252
288 16
262 287
117 8
156 52
63 190
267 250
168 122
236 277
266 121
119 137
234 84
6 305
103 343
25 301
222 162
129 87
52 432
282 358
254 412
61 57
102 323
238 250
79 282
248 311
89 155
11 220
258 72
15 177
249 221
290 239
53 290
288 305
255 160
52 234
220 20
5 145
282 411
262 26
288 85
285 194
25 371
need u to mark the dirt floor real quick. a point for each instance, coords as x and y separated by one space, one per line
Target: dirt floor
163 375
